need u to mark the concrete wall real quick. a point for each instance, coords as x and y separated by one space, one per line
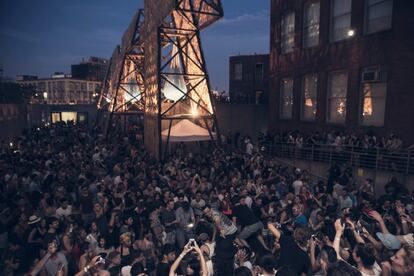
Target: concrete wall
12 121
247 119
380 177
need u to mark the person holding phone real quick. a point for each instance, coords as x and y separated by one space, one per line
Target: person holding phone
191 269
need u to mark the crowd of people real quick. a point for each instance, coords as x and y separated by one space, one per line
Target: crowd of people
76 203
367 141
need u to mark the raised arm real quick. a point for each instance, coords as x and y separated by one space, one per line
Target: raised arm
314 263
85 270
203 264
187 248
274 230
40 264
339 228
375 215
357 237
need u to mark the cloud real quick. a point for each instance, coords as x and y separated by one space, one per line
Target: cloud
262 16
19 35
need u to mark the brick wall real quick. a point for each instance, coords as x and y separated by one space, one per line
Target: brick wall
393 50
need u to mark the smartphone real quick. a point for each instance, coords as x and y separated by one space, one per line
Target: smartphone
100 260
192 242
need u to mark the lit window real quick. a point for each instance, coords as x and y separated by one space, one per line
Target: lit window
373 103
340 19
378 15
286 98
309 93
288 33
311 24
337 90
238 71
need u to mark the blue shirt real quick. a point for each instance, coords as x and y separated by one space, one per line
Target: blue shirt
301 220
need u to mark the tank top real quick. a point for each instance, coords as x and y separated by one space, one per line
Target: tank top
227 225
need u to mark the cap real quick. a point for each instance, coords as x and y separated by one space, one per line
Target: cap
389 241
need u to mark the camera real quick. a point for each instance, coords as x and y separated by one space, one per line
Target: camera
192 242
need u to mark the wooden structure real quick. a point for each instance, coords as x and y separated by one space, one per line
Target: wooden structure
123 90
173 55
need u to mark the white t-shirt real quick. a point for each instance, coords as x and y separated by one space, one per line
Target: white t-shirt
249 148
54 263
297 184
60 212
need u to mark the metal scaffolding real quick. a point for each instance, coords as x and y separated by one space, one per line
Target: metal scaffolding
159 72
174 57
123 91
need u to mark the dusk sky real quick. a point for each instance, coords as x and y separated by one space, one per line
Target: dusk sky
44 36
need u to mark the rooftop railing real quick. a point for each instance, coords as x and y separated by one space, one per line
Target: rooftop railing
401 161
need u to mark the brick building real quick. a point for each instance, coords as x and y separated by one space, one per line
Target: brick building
342 65
249 82
93 69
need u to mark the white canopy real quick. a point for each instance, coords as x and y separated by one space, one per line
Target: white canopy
186 131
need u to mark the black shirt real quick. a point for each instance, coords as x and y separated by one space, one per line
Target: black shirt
163 269
115 270
168 217
291 255
244 215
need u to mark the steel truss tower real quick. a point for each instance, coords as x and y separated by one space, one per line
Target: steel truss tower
123 91
174 56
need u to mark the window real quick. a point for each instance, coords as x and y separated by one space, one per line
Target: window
311 24
340 19
258 72
309 93
373 103
286 98
378 15
288 33
337 90
238 71
259 97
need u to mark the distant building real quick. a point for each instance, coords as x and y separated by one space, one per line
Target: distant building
25 78
342 65
62 98
93 69
249 79
62 89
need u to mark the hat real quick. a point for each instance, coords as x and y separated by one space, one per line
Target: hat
389 241
33 219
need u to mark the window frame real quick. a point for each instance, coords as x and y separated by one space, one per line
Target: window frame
282 35
332 20
282 97
327 115
235 71
306 27
257 80
302 97
383 80
366 14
